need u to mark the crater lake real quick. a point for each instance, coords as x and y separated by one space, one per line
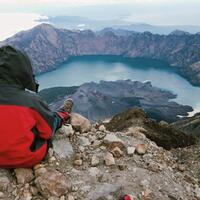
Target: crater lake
78 70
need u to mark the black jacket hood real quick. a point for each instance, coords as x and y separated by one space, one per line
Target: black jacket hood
16 69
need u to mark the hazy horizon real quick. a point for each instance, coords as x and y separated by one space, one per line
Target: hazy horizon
16 16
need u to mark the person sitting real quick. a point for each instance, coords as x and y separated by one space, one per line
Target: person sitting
27 125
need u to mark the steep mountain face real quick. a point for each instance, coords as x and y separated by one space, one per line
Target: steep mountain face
98 101
49 47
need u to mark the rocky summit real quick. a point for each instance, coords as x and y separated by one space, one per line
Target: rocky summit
98 163
48 47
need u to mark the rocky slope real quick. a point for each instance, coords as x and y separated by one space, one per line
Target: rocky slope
98 101
89 162
190 125
49 47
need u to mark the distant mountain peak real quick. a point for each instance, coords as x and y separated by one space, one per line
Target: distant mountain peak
179 33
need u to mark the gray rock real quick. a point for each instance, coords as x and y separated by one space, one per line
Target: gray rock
66 130
83 141
63 148
103 190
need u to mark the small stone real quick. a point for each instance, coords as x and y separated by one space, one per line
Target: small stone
100 135
1 194
96 144
117 152
82 149
24 175
121 166
26 195
130 151
94 160
66 130
109 159
40 171
52 159
50 152
33 190
70 197
78 162
181 168
112 141
74 188
38 166
53 198
102 128
155 167
141 149
5 179
197 192
62 198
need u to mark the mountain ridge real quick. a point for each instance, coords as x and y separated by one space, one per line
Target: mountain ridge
48 47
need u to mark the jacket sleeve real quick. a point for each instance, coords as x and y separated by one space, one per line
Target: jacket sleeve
48 122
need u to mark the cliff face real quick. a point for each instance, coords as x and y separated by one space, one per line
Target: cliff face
48 47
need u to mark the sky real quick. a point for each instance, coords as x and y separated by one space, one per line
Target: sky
16 15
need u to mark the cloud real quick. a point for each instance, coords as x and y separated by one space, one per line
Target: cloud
16 22
66 2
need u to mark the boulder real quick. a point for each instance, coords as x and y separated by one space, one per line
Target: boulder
63 148
52 183
80 123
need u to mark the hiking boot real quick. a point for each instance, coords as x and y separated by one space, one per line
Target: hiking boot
68 104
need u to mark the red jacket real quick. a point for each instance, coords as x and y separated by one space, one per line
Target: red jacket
26 123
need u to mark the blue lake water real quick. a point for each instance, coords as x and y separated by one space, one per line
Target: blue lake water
95 68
